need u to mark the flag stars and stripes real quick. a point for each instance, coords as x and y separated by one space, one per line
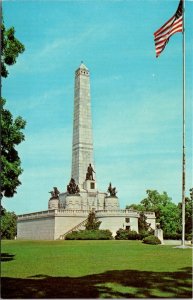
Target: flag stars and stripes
172 26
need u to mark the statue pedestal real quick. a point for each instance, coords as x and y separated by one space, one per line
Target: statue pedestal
111 203
73 202
90 185
159 234
53 203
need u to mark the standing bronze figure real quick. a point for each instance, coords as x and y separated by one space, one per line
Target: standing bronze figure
89 174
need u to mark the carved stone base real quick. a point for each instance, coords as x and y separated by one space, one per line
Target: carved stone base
111 203
73 202
159 234
89 185
53 203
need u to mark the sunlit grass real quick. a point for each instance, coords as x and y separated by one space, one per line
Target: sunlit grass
116 268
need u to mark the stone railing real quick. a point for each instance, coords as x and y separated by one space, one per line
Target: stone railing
53 212
117 212
71 212
38 214
149 214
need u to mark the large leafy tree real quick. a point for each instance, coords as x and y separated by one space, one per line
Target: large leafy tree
167 213
11 134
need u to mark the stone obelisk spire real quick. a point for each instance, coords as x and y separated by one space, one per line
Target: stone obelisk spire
82 144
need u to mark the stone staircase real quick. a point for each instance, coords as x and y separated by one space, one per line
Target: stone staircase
77 227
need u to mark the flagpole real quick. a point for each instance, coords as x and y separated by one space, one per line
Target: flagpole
184 127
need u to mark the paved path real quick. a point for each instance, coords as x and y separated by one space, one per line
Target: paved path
176 242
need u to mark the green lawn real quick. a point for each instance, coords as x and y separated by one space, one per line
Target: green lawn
94 269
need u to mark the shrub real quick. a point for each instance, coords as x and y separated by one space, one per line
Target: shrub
143 234
133 235
188 236
71 236
90 235
8 224
172 236
121 234
124 234
152 240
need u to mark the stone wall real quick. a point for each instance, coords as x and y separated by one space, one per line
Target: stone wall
151 219
36 229
64 224
114 220
48 225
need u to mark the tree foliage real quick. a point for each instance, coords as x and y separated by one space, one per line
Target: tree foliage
90 235
152 240
137 207
125 234
8 224
167 213
188 214
92 223
191 193
142 222
11 47
11 134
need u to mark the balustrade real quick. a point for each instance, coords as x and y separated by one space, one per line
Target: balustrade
73 212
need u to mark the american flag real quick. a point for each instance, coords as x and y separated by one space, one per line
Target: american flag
173 25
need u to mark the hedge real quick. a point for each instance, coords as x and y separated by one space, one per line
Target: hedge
90 235
124 234
177 236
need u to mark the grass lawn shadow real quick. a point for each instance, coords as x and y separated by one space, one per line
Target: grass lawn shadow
6 257
110 284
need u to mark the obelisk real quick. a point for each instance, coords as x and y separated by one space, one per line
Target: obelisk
82 144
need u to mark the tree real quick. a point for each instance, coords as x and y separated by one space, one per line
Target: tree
166 212
143 226
188 213
142 223
191 193
10 49
137 207
8 224
11 134
92 223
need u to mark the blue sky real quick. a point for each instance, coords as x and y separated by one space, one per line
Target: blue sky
136 98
